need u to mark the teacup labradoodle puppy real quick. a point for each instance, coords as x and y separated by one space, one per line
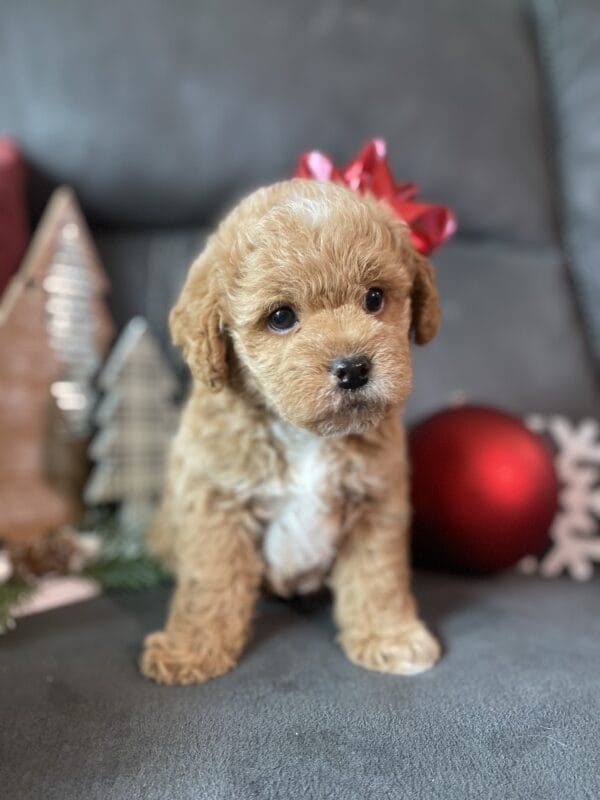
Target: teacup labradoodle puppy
289 466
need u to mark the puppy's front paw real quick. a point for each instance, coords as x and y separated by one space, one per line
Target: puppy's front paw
171 661
409 652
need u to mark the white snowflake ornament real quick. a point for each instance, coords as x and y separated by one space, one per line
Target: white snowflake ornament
575 531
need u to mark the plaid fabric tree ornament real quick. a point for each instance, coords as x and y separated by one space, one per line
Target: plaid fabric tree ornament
136 419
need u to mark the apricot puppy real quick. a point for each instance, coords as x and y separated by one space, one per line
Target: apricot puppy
289 466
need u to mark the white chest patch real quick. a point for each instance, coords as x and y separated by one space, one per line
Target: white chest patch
301 540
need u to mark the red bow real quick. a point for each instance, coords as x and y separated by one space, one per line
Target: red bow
430 225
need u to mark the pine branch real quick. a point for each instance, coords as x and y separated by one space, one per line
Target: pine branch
11 593
141 572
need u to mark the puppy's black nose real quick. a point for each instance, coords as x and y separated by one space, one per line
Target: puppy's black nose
351 373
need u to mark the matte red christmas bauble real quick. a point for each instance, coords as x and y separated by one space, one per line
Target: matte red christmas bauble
484 490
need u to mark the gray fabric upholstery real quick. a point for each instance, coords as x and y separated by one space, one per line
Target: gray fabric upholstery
510 336
569 38
146 271
160 113
508 313
511 712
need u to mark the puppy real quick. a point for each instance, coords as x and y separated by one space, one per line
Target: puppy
289 466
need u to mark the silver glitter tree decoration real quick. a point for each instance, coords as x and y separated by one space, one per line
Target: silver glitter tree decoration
136 419
54 331
79 329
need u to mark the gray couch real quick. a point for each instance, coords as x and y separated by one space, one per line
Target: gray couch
160 115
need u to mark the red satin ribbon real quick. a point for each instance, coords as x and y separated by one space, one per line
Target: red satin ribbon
429 225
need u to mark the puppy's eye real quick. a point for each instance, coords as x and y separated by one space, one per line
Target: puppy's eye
282 319
373 300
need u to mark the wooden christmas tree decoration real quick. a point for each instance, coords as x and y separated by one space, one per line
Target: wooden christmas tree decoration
54 332
136 420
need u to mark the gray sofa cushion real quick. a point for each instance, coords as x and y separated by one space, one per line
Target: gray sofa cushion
146 271
512 711
161 113
510 335
569 39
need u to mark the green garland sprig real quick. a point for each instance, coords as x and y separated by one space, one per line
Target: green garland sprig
12 592
123 564
131 574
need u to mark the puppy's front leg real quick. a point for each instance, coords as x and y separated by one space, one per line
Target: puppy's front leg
218 576
376 612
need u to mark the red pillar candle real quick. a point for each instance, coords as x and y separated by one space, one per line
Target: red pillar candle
14 224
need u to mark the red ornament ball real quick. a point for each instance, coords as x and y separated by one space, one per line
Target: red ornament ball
484 490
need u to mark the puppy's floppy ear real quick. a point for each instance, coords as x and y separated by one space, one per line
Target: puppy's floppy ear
426 314
196 323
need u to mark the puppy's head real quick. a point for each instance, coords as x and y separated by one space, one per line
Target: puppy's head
308 293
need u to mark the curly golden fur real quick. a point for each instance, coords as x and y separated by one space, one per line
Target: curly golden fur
277 475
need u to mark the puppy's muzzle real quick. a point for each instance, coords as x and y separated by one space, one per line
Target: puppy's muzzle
351 372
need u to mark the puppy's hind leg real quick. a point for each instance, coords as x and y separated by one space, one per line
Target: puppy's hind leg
218 574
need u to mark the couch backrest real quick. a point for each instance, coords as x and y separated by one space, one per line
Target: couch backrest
569 44
160 113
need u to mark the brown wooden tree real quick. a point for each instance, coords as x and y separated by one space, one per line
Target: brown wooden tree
54 334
